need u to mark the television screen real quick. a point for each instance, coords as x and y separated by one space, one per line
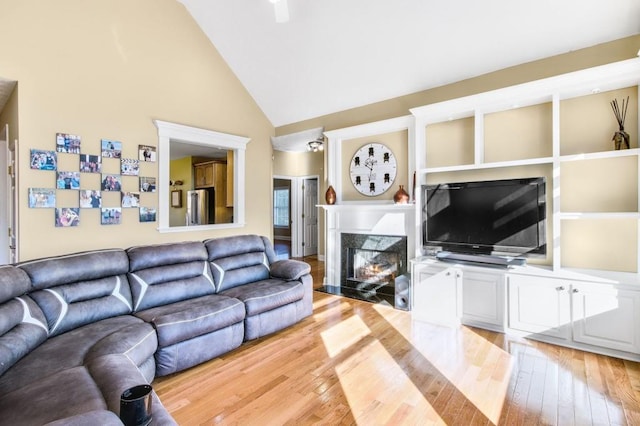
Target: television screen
490 217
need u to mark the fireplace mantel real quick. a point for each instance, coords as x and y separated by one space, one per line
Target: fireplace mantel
365 218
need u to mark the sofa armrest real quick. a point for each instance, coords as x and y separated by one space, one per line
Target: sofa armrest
289 269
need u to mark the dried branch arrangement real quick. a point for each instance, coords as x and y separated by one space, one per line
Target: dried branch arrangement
620 138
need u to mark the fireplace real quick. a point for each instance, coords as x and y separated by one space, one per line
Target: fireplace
371 263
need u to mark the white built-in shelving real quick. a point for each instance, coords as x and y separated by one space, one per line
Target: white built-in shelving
574 145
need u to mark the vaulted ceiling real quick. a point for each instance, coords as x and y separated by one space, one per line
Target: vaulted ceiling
332 55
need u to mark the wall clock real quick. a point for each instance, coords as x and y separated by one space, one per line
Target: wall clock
373 169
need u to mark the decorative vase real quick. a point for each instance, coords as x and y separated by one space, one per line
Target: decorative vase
621 139
401 196
330 195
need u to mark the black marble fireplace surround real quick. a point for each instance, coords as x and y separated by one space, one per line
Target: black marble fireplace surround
369 266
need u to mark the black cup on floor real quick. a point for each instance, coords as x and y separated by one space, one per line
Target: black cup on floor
135 406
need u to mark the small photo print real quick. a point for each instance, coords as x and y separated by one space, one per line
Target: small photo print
147 184
111 183
67 216
68 180
110 149
43 160
130 199
90 163
147 153
129 167
111 216
147 214
66 143
90 199
42 197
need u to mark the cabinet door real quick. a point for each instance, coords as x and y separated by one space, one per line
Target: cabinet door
539 305
605 316
436 294
483 298
203 175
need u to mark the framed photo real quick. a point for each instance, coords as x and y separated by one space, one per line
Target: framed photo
68 180
129 167
176 198
147 153
90 163
130 199
67 216
147 184
66 143
90 199
110 149
42 198
111 216
111 183
43 160
147 214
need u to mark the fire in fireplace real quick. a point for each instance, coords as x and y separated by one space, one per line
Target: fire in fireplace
371 263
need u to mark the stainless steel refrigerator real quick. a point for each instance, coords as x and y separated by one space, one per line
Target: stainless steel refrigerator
200 204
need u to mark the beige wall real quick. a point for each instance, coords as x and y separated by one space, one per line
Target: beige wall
180 169
106 70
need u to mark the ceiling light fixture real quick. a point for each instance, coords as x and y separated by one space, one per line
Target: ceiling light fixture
316 145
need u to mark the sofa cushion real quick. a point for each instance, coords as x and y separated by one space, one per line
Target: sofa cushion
266 295
194 317
150 256
64 352
13 282
289 269
78 289
95 417
185 275
53 397
84 266
239 260
70 306
23 327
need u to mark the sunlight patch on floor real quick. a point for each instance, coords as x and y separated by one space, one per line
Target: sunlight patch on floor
344 334
482 376
378 393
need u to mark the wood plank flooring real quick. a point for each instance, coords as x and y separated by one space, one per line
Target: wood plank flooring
355 363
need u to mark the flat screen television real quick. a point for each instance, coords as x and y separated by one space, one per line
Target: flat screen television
498 217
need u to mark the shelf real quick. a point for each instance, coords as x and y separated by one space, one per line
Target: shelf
601 155
598 215
501 164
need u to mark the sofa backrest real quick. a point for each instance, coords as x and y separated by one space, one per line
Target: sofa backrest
239 260
22 324
167 273
80 288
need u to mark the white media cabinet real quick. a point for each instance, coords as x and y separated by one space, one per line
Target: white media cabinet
586 293
570 308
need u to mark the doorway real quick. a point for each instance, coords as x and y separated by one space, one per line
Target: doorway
295 216
8 253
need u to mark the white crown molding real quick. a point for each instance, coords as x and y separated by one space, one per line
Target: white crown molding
296 142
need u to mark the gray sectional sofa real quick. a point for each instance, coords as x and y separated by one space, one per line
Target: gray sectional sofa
77 330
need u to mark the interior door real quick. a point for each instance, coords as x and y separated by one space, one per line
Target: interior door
310 218
5 196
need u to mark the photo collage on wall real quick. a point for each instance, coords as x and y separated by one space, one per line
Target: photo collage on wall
92 198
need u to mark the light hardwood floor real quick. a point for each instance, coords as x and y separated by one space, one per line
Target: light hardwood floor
355 363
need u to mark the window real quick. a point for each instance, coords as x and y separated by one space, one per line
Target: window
178 134
281 207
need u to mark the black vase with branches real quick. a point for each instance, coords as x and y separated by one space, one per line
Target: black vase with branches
620 138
